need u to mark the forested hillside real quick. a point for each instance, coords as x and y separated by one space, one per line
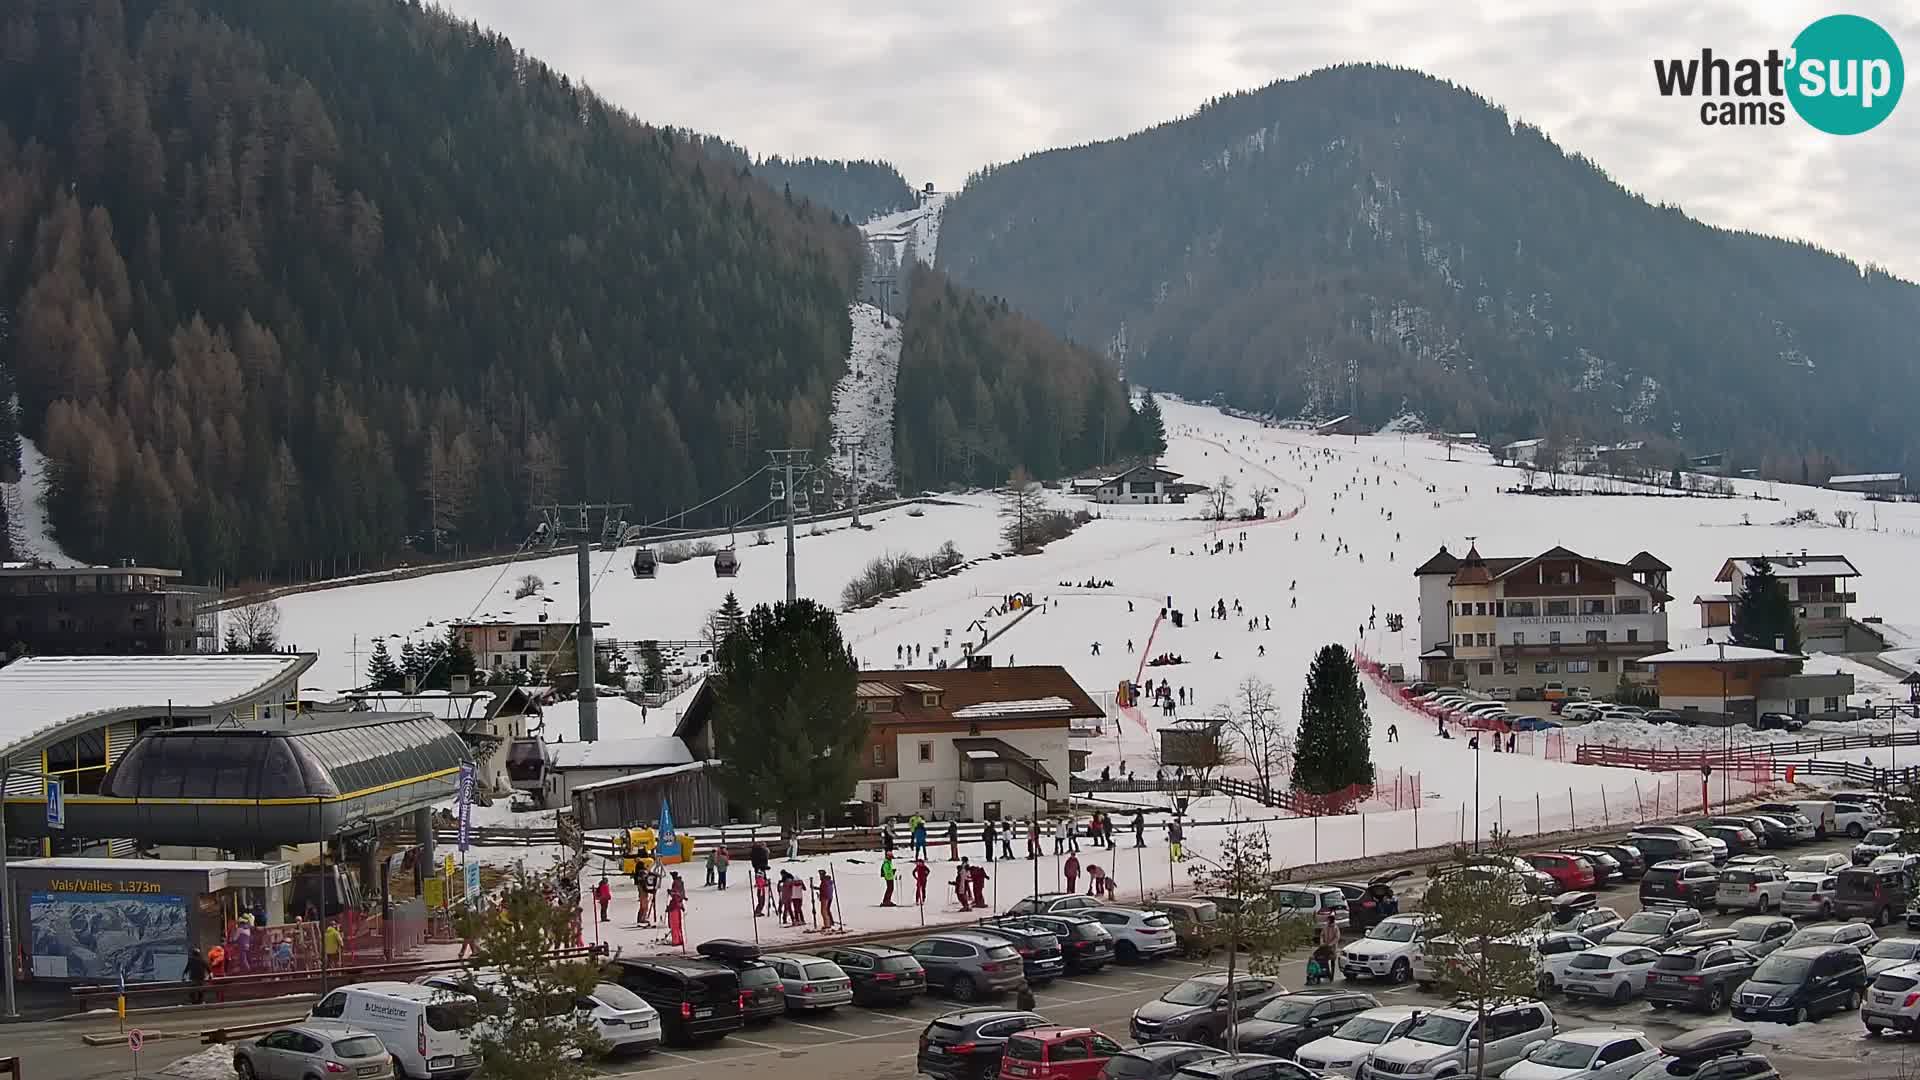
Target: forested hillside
984 388
856 190
288 283
1373 229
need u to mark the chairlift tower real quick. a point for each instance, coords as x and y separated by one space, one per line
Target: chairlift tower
789 468
576 518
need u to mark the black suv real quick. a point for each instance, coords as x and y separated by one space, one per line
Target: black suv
762 995
967 1045
1633 862
1693 882
881 975
696 999
1803 981
1285 1024
1041 959
1085 944
1699 977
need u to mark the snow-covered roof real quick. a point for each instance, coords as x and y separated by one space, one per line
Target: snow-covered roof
1522 444
646 774
1792 566
619 719
1714 654
1865 478
619 753
45 692
1012 708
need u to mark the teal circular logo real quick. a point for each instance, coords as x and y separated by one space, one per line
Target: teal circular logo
1847 75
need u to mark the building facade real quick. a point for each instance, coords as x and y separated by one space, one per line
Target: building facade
1887 483
1818 586
520 646
1558 617
1739 683
1141 484
122 610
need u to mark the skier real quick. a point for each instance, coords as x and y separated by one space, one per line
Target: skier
825 890
602 896
919 826
676 912
1006 842
920 874
1129 646
886 876
1139 829
1393 733
1096 648
962 876
986 839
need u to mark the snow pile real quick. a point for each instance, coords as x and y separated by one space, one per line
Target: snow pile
212 1063
27 510
863 401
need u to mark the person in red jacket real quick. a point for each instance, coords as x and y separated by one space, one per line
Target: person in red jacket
603 895
920 874
1072 870
676 912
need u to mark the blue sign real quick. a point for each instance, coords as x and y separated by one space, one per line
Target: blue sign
473 884
668 844
56 806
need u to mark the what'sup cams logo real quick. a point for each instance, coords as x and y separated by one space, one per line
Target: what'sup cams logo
1842 76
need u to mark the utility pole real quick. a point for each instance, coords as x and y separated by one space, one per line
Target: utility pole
588 694
853 446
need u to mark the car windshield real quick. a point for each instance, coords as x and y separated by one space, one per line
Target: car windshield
1782 969
1286 1012
1646 922
1192 993
615 996
1675 961
1894 947
1590 962
758 975
899 963
1390 931
822 970
1882 837
1560 1054
1439 1030
1751 931
1365 1029
359 1046
1803 886
1816 935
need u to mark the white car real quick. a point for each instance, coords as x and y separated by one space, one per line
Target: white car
1830 863
1856 819
1751 887
1137 935
1580 710
1586 1054
623 1021
1501 693
1892 1000
1592 923
1874 844
1810 895
1890 953
1389 951
1617 973
1341 1053
1438 1043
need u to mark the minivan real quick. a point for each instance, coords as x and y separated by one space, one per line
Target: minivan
1868 893
1802 982
424 1028
696 999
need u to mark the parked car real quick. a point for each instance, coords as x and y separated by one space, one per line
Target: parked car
1341 1052
1579 710
1892 1001
1775 830
1371 900
1657 842
1818 812
1750 888
1889 953
1611 972
1773 862
1695 882
1554 691
1242 1067
1718 1053
1198 1009
1552 953
1137 935
1586 1054
762 995
696 999
1529 693
1810 895
811 983
1041 958
1057 1053
1872 893
1285 1024
1055 903
1310 900
1854 935
881 974
967 1045
1801 983
1606 868
1580 913
1738 840
1569 872
1085 944
1441 1038
1701 977
1633 862
1388 951
1533 723
967 965
1537 881
1655 927
1762 934
1874 844
1856 819
1501 693
1800 827
312 1049
1779 721
1831 862
1154 1061
1665 716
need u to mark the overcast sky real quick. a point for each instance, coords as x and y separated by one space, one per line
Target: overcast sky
940 89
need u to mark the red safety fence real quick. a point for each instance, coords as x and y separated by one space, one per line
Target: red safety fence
1549 743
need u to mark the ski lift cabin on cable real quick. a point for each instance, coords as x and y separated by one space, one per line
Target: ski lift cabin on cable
725 563
644 563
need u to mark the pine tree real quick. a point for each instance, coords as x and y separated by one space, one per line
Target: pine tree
382 672
413 662
459 658
1334 748
1150 428
786 723
1763 617
653 668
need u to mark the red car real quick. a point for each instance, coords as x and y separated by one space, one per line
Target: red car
1057 1053
1569 872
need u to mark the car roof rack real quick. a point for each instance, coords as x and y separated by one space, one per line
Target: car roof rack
1706 1043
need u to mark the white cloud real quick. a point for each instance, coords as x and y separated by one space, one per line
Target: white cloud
941 89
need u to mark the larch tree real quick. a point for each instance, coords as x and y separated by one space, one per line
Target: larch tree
1022 504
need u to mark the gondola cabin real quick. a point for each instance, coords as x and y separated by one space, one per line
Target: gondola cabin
726 563
644 564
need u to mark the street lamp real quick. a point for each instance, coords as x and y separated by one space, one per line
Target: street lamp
1726 727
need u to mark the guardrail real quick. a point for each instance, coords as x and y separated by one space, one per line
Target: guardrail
269 984
1747 755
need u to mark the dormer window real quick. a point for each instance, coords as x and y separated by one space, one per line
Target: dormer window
929 701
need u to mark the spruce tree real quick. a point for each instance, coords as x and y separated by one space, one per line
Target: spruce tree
1763 617
1150 428
458 660
382 672
413 662
1333 749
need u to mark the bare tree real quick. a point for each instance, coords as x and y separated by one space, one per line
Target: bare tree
1220 498
529 585
1254 722
254 628
1260 497
1254 932
1022 503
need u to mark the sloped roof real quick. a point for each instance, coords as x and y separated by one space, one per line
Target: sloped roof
1473 570
1007 692
1165 474
1442 562
619 753
1497 568
1714 654
1864 478
46 692
1800 566
1645 560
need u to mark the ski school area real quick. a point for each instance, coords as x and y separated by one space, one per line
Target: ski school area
1160 616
